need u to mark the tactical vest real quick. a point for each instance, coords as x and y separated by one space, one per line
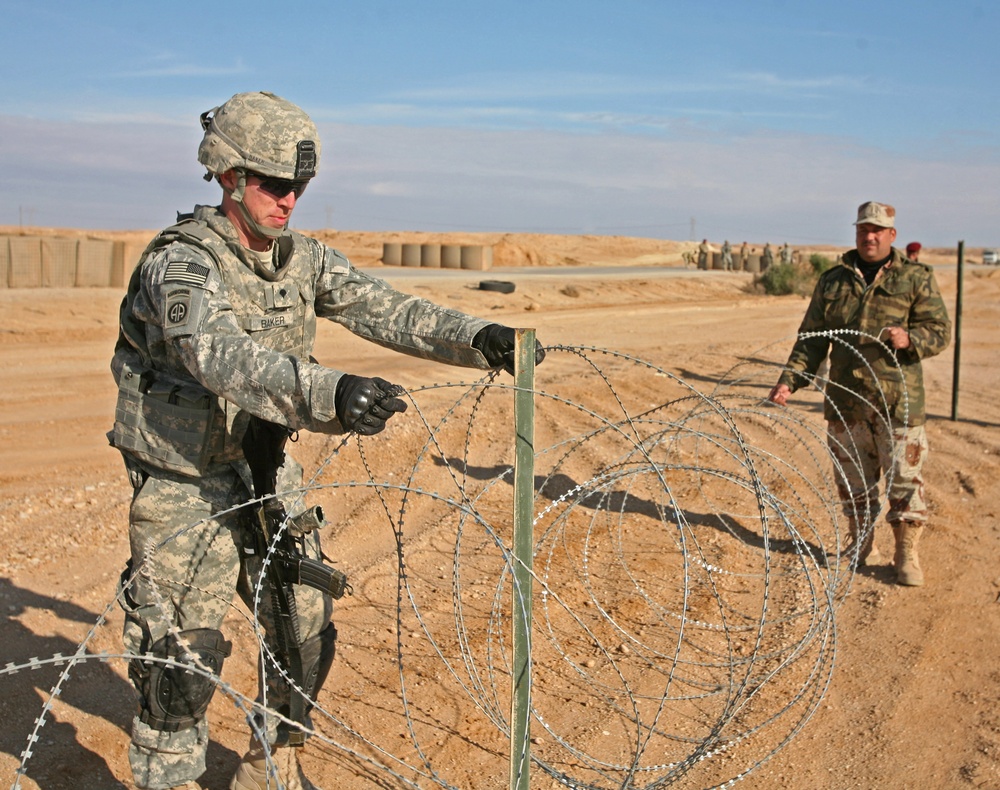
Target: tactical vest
173 422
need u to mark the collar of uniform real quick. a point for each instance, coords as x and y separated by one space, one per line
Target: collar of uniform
896 259
219 224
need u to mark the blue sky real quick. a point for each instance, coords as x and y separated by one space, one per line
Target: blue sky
766 121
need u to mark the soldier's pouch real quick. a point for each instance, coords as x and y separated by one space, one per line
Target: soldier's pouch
164 423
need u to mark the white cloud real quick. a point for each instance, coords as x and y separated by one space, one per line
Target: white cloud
182 69
770 83
389 189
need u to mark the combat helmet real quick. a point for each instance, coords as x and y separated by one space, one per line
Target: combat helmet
259 133
262 133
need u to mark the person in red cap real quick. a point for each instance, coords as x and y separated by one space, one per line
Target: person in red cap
913 251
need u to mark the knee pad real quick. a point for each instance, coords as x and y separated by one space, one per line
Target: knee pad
174 698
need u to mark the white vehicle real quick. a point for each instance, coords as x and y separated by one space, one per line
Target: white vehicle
991 257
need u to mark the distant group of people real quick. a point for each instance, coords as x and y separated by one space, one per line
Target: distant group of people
700 256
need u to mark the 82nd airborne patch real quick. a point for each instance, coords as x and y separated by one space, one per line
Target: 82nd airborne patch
178 308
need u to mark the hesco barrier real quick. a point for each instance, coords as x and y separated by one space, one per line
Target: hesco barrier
451 256
432 255
68 262
476 256
392 254
411 255
58 262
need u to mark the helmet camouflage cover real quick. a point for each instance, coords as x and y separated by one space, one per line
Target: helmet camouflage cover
261 133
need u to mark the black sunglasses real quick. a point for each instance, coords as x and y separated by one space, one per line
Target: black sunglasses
279 187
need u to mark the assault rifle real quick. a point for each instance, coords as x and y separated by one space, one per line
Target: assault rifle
264 449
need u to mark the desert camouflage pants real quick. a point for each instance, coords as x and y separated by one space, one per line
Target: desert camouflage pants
867 451
187 544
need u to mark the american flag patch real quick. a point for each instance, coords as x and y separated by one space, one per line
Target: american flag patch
186 272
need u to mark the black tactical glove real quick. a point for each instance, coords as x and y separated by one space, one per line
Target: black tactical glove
363 405
496 342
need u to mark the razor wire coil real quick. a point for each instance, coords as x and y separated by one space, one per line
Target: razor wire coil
689 561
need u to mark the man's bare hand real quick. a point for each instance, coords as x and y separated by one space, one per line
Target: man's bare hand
896 337
780 394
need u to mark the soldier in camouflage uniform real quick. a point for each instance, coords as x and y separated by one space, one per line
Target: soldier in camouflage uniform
218 324
703 253
786 254
894 316
727 256
766 257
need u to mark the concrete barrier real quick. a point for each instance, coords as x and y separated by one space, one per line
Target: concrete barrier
410 255
477 257
753 263
717 261
130 253
451 256
59 262
95 260
392 253
54 262
25 262
4 262
430 256
124 257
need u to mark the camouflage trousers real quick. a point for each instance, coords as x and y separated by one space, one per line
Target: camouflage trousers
868 451
187 546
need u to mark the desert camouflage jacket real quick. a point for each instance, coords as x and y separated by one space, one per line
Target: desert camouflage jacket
208 333
904 293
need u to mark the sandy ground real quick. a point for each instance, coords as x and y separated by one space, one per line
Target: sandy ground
913 700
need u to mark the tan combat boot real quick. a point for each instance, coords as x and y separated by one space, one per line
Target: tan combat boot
906 562
252 772
868 553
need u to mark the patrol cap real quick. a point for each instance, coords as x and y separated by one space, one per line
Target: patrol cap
872 213
912 247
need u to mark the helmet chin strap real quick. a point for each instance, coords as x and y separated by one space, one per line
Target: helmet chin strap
262 231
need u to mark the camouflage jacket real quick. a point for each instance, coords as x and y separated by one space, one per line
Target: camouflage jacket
209 333
904 293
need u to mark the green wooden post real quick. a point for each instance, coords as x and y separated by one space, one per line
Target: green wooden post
521 562
956 361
